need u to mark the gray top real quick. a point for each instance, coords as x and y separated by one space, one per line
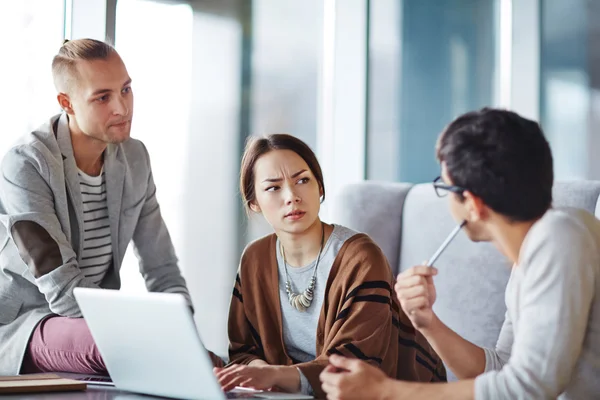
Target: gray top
300 328
42 231
549 345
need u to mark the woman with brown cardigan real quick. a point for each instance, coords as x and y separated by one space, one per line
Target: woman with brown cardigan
311 289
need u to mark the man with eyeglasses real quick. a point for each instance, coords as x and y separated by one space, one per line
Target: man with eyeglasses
442 190
497 173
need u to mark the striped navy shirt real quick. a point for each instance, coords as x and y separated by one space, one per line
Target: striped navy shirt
96 257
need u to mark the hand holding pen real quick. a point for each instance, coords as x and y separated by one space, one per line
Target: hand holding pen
415 288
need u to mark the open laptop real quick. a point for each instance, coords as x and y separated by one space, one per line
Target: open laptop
150 345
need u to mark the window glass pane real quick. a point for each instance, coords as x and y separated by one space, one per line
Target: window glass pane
161 86
286 49
32 33
429 62
185 62
570 83
286 53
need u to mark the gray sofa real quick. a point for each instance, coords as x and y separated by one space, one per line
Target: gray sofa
409 222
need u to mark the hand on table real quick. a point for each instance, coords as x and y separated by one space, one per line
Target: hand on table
349 379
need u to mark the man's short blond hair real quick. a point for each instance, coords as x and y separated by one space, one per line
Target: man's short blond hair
63 64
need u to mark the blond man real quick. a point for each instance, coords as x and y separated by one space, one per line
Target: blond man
73 194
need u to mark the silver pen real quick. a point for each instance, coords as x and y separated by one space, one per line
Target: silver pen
451 236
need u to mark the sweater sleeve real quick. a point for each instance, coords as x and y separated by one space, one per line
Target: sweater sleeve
28 212
154 248
358 313
555 297
244 343
496 358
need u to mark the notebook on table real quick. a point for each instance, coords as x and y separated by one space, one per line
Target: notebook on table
38 383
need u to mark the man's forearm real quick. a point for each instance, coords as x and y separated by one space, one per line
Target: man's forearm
399 390
462 357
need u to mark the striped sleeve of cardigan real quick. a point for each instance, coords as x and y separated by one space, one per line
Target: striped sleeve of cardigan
358 313
417 360
244 343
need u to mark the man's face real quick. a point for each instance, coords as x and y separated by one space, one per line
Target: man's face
469 209
102 100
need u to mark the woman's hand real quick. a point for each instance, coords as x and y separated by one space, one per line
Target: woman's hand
260 376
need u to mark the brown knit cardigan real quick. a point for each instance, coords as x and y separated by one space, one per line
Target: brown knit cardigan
360 316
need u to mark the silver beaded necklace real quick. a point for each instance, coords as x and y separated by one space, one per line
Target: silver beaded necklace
301 302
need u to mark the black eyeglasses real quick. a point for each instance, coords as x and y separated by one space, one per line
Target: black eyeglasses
441 189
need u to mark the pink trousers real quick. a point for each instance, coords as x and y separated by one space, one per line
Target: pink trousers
61 344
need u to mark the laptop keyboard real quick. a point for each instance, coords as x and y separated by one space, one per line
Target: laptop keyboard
95 379
237 395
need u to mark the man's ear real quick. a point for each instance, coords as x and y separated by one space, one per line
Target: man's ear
65 103
475 207
254 207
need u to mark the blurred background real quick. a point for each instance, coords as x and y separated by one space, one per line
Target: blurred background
368 84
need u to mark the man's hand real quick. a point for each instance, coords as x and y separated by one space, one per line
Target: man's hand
260 377
347 379
416 293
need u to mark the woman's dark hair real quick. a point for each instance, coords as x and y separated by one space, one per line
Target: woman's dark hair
502 158
258 146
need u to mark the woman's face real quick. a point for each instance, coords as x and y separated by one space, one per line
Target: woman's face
287 193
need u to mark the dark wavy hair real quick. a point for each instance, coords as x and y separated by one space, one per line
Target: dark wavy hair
502 158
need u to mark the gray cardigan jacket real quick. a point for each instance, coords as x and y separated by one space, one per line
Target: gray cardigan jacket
41 231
